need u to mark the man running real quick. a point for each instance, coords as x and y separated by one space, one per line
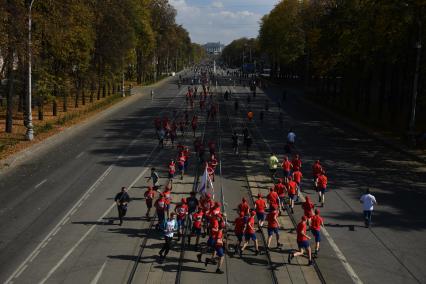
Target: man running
169 228
273 227
149 197
197 225
302 242
368 201
273 199
181 211
250 234
239 225
172 170
161 208
316 223
154 177
273 165
321 186
122 199
279 188
286 166
260 206
292 193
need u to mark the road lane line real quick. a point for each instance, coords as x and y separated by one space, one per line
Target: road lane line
98 275
351 272
79 155
40 184
34 256
44 242
21 270
72 249
46 239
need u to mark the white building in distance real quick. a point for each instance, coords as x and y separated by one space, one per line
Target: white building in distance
214 47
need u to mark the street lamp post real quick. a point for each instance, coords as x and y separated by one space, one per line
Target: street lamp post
29 135
416 77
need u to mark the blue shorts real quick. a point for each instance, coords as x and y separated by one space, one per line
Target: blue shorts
286 173
239 237
282 199
250 236
180 223
260 216
171 175
322 189
303 244
317 235
292 196
219 251
211 242
196 231
168 206
272 231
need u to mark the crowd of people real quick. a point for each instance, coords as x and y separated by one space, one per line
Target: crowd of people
199 216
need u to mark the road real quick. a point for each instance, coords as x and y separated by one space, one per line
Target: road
58 219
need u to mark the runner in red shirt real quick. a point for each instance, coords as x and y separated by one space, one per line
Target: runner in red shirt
250 234
292 193
172 170
302 242
149 197
273 227
197 225
167 193
219 245
161 207
273 199
181 211
316 170
244 207
297 163
287 166
297 177
239 225
321 186
308 207
260 206
280 190
316 223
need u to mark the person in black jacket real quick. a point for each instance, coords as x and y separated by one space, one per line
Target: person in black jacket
122 199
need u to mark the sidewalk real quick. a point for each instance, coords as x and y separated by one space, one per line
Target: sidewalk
386 138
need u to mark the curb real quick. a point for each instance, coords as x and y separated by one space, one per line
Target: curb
42 146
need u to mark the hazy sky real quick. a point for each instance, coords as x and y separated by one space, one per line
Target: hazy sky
221 20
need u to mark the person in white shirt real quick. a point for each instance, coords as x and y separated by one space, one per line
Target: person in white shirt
169 227
291 137
368 201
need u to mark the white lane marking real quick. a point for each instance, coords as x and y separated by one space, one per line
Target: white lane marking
79 155
56 231
22 270
341 257
71 250
40 183
44 242
34 256
98 275
355 278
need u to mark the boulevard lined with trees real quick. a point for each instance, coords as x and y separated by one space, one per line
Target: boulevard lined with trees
364 58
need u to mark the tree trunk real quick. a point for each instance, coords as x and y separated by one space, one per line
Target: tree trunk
54 107
40 108
65 102
10 94
103 90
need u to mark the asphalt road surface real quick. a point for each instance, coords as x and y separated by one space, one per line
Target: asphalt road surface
59 222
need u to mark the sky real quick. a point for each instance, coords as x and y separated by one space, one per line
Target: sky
221 20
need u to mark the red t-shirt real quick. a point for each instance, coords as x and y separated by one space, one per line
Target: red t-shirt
250 225
168 196
322 181
214 227
297 176
149 194
260 205
292 187
243 207
207 204
239 225
316 169
307 208
197 219
297 164
316 222
279 188
172 168
272 223
273 198
160 204
286 165
181 211
219 239
301 228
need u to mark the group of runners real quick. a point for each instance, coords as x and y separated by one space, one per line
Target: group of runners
205 215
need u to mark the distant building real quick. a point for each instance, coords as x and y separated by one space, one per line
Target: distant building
213 47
